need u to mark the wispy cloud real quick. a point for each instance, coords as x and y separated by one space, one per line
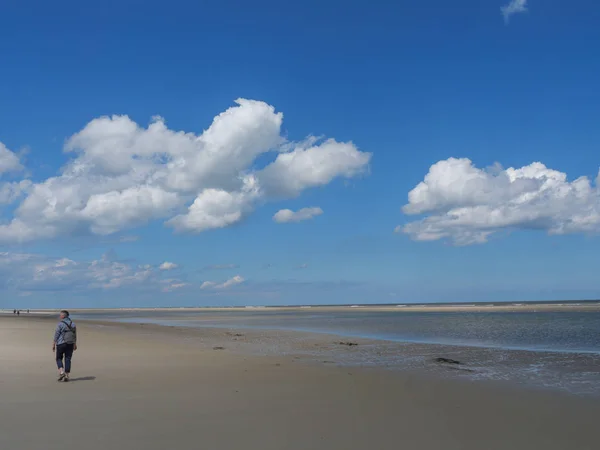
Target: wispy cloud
231 282
302 266
514 7
35 272
38 273
174 286
226 284
220 267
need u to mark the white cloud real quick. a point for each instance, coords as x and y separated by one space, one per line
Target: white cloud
231 282
226 284
9 161
217 208
514 7
175 286
467 205
168 266
287 215
309 165
11 191
109 212
122 175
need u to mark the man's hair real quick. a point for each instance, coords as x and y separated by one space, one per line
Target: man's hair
65 312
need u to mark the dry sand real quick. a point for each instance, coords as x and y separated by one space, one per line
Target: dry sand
150 388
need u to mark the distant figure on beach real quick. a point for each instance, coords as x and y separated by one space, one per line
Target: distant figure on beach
18 313
14 311
65 343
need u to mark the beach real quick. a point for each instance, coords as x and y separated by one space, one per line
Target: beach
150 387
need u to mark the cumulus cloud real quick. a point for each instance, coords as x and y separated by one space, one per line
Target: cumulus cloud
122 175
109 212
217 208
287 215
234 281
466 204
514 7
9 161
168 266
310 164
11 191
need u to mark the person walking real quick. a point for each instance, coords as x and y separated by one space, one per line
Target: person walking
65 343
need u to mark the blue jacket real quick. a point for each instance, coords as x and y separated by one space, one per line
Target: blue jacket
61 328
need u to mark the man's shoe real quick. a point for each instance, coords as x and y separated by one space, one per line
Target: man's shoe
61 377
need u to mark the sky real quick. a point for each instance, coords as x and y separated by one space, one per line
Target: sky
315 152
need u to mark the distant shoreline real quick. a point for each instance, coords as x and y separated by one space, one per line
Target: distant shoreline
582 305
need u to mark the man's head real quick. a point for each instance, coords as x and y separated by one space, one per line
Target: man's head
64 314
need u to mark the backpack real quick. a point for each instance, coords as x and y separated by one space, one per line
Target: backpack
70 334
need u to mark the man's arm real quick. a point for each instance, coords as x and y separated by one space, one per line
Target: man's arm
56 335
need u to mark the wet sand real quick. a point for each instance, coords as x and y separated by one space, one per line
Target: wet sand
148 387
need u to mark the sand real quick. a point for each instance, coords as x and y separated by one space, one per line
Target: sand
150 388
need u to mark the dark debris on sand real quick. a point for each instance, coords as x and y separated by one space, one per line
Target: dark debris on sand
447 361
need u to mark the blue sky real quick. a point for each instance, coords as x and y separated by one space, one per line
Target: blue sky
96 192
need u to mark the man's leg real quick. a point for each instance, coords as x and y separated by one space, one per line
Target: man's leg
60 352
68 355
